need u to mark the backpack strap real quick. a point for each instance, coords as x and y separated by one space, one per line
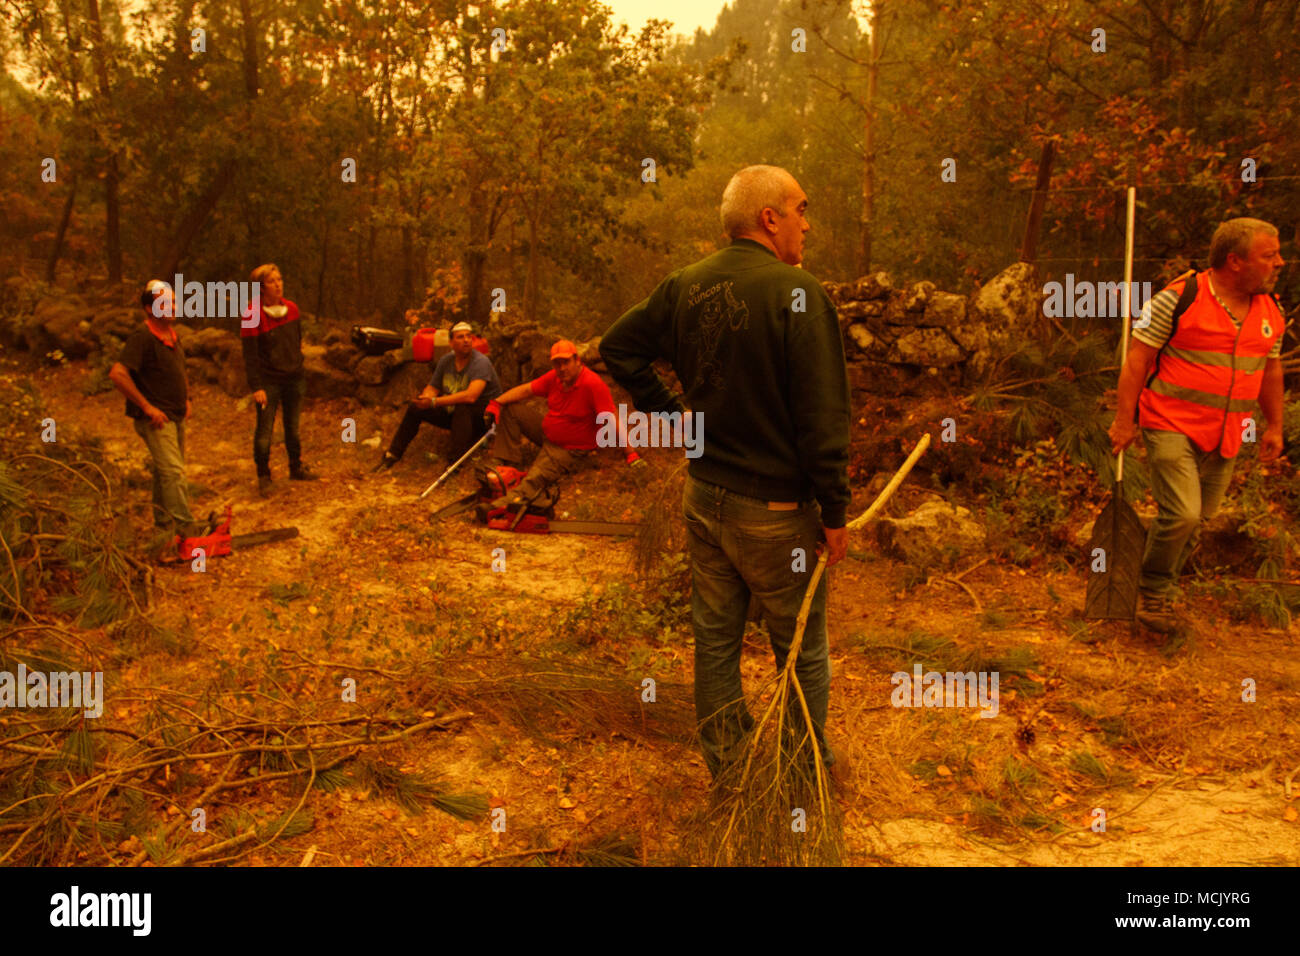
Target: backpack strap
1185 300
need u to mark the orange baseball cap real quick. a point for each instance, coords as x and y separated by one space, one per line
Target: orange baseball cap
563 349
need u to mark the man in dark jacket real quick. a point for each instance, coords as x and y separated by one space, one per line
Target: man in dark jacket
272 341
756 344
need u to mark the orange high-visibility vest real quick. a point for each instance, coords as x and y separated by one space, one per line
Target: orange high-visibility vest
1209 373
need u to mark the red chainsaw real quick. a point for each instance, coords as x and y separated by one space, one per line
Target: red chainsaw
219 541
528 517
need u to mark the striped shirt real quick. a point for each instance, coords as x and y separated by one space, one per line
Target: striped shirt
1156 322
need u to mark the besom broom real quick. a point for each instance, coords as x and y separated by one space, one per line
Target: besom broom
764 815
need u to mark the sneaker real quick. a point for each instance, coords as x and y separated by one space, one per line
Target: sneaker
264 485
388 461
1156 612
303 473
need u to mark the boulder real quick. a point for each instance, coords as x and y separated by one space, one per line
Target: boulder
936 533
370 370
1010 300
200 368
875 286
343 356
896 314
401 385
945 310
323 379
119 321
929 347
63 323
861 336
212 343
855 311
230 374
917 296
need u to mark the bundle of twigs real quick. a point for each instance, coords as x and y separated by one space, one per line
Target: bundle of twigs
777 809
660 520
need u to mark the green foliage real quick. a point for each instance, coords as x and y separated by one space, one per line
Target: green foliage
1090 766
652 611
282 594
413 791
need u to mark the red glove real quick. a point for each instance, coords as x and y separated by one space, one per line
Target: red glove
634 459
493 411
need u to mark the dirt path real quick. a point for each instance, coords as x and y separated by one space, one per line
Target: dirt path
1186 772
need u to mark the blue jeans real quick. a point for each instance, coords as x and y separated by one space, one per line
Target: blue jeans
1188 485
290 395
171 498
740 547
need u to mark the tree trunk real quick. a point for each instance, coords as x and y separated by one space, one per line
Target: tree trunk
869 146
1029 250
195 219
531 294
112 229
51 266
324 265
249 29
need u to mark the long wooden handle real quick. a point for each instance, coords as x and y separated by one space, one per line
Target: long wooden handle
1126 300
885 494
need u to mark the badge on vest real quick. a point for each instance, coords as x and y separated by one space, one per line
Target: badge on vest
1267 330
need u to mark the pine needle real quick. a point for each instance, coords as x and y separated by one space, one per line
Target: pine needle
774 806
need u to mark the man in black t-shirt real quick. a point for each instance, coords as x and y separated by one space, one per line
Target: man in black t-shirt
150 372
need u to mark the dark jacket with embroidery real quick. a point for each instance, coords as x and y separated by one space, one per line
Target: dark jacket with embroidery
756 344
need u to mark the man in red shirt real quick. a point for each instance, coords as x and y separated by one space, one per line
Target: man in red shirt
566 431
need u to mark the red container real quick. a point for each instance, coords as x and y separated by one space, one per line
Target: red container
425 342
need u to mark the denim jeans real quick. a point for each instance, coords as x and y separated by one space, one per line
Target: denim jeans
739 547
1188 485
171 498
520 420
290 395
465 422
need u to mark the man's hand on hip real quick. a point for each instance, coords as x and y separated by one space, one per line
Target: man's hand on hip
836 541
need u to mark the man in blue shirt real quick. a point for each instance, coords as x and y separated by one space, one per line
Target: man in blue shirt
463 383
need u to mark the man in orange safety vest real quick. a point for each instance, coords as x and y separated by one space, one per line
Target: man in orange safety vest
1194 384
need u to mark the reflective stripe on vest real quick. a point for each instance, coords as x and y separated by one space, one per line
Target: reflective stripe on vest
1209 374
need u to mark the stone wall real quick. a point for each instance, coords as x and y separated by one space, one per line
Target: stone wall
927 330
916 330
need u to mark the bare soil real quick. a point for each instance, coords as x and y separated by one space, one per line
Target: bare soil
1103 719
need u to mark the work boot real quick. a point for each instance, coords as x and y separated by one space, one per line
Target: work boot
264 485
388 461
1156 612
301 472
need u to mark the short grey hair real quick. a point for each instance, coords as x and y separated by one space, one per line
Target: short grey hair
749 192
1236 236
